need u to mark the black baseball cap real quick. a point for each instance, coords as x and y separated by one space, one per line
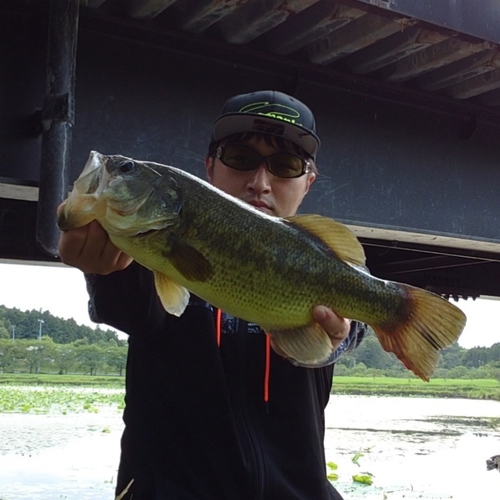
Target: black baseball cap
269 112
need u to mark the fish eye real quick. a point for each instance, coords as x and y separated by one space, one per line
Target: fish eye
127 166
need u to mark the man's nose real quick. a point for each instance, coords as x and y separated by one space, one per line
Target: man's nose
260 180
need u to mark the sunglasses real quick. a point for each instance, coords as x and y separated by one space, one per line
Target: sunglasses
244 158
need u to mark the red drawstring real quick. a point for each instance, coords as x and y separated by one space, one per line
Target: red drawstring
267 371
218 325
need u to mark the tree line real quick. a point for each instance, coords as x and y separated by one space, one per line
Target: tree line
45 356
17 324
38 342
370 359
35 341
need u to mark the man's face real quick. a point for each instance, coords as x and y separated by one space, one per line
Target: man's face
271 194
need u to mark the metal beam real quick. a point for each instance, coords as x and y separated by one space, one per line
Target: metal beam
147 9
354 36
57 119
308 26
491 98
393 48
476 85
257 17
471 66
149 36
478 18
204 13
429 59
92 4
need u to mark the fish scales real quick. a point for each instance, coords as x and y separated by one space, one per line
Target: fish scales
278 274
264 269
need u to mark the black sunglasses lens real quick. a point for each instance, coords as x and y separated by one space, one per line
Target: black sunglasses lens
240 157
285 165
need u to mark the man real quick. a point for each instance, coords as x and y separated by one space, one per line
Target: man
211 411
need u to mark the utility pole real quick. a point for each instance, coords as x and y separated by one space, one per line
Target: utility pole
13 332
41 322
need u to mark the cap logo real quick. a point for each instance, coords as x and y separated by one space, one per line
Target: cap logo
267 127
265 108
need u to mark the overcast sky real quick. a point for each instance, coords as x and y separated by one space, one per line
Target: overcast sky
61 290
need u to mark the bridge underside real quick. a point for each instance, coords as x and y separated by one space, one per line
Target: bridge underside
414 173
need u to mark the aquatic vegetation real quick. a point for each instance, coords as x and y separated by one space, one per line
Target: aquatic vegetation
363 478
39 400
356 457
332 476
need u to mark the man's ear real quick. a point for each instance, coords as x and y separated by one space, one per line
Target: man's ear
209 167
311 176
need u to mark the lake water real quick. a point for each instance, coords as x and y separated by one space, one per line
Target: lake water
415 448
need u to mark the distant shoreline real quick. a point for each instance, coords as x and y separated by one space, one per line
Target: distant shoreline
488 389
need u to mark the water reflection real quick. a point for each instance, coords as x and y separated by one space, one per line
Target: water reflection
416 448
47 457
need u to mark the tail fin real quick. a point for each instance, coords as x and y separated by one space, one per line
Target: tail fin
434 323
309 345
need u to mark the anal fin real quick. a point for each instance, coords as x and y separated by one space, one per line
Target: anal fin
309 344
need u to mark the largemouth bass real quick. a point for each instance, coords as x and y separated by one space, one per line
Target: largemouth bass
264 269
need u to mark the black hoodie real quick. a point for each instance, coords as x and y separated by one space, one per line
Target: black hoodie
208 419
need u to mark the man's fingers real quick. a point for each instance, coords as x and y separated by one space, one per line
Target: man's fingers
336 327
89 249
123 261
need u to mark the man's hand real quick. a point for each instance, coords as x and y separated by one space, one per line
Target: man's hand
89 249
336 327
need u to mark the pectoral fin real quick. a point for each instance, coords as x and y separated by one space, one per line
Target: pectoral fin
173 296
308 345
188 261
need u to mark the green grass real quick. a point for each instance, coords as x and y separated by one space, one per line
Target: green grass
55 380
439 388
436 382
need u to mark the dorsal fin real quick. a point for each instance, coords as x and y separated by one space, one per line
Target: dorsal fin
340 239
